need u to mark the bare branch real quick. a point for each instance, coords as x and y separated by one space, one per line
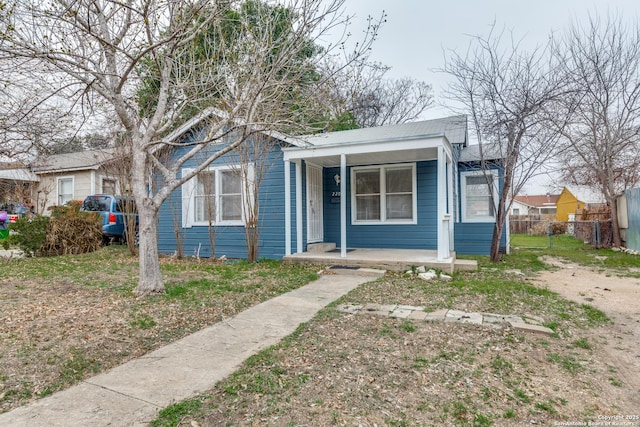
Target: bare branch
510 95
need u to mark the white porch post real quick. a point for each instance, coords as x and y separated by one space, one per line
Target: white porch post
298 206
450 173
343 205
287 207
443 220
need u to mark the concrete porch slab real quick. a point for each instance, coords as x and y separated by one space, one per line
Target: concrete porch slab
389 259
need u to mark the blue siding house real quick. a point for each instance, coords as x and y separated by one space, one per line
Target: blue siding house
414 186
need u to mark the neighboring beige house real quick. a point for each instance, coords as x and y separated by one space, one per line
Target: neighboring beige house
73 176
58 179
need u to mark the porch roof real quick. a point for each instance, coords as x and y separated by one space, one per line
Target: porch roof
398 143
19 174
79 160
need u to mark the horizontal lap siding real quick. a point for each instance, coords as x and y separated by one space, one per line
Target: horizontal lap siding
422 235
230 240
474 238
271 225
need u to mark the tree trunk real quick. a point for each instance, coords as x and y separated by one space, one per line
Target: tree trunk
615 227
251 236
501 216
150 281
494 254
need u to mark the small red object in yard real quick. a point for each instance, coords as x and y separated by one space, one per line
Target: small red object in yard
13 218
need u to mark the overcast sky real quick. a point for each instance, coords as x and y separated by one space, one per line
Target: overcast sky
417 32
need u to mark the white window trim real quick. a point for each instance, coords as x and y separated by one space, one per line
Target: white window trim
101 178
463 193
188 197
383 193
73 187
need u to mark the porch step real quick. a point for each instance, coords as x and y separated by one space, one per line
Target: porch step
465 265
318 248
355 271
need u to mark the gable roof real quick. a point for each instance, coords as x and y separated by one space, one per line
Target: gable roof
490 151
453 128
586 194
81 160
538 200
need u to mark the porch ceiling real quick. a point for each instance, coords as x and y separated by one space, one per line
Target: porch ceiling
375 158
369 152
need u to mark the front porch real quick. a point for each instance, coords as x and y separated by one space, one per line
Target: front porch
389 259
378 190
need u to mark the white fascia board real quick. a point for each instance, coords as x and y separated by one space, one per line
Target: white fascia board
292 153
211 111
66 170
186 126
525 204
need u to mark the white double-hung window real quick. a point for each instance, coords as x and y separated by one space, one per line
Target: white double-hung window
479 191
384 194
65 190
214 196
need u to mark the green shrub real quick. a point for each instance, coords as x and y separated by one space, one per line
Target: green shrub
29 234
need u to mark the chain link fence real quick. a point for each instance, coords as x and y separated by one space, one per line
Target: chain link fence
532 232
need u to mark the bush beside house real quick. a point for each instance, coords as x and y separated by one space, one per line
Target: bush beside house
67 231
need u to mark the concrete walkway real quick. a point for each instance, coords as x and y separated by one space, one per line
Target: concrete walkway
133 393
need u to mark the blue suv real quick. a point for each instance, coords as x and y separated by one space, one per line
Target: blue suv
114 211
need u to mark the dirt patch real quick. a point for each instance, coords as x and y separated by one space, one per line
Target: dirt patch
368 370
619 298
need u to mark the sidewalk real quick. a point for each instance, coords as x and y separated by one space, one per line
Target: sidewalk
133 393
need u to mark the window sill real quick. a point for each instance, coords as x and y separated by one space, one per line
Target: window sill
219 224
407 222
480 220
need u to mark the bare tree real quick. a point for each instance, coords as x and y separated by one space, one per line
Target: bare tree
117 165
34 113
98 47
369 98
253 164
509 94
601 115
